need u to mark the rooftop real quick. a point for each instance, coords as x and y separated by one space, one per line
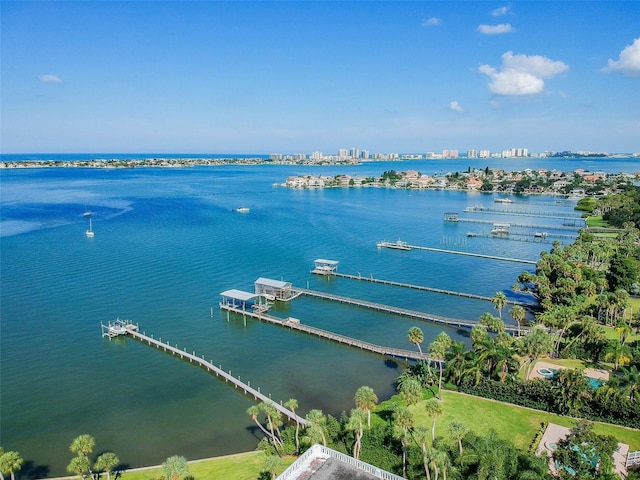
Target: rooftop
323 463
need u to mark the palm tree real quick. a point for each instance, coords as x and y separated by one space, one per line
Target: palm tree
574 389
416 337
433 408
457 431
274 420
442 462
456 363
107 462
79 465
534 345
315 429
518 314
175 467
356 425
478 334
366 399
438 350
631 382
83 445
411 391
292 404
271 464
10 462
620 354
561 318
254 411
499 300
402 423
623 330
420 435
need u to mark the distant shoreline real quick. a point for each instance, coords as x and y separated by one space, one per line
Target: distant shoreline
176 161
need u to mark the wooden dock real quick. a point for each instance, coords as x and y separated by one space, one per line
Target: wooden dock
295 324
404 312
564 226
524 213
469 254
423 288
209 367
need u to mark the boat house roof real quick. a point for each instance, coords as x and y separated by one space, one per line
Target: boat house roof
238 295
272 283
325 262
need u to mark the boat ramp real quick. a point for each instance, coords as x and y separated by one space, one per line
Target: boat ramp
126 327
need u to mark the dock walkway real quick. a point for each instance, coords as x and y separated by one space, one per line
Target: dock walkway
295 324
423 288
469 254
209 367
524 213
573 227
405 312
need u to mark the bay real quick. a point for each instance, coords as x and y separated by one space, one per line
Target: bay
167 242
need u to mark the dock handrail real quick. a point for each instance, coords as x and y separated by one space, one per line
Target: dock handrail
256 394
405 312
423 288
336 337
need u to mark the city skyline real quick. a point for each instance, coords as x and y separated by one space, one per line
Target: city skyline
241 77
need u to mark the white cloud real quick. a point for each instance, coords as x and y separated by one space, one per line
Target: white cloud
522 74
431 22
628 61
50 79
495 29
455 106
498 12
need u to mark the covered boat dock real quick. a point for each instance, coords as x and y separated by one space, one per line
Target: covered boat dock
324 267
245 301
275 289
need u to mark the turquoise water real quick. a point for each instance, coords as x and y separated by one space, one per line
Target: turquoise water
166 244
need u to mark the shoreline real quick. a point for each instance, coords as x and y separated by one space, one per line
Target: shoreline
152 467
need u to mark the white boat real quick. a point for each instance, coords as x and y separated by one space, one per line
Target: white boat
242 210
500 229
472 234
540 234
398 245
503 200
90 231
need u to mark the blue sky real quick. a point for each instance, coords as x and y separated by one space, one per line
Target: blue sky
288 77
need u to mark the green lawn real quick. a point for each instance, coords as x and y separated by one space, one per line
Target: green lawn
511 422
611 334
596 221
243 466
